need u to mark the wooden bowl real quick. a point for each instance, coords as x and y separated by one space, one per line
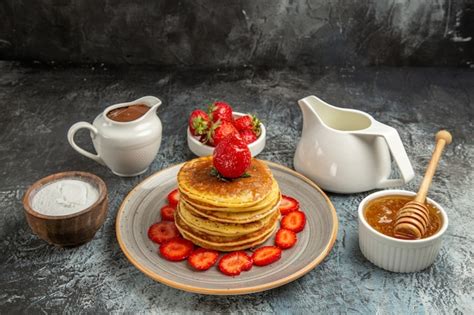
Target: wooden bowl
72 229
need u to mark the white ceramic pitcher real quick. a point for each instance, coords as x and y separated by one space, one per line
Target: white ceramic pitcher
348 151
127 148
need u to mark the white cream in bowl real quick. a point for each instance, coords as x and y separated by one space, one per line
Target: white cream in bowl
64 197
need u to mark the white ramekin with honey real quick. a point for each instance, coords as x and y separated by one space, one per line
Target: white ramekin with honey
377 242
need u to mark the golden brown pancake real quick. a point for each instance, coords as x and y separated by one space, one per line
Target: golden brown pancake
210 227
226 215
265 203
228 248
196 182
233 217
227 243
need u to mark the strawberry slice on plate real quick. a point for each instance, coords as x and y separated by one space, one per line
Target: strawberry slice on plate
167 213
173 198
294 221
266 255
202 259
162 231
288 204
285 239
234 263
176 249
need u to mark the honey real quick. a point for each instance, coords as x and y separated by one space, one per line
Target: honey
381 214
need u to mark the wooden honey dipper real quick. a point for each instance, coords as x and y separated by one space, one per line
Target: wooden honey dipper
413 218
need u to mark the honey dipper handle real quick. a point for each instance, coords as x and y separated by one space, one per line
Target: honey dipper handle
443 137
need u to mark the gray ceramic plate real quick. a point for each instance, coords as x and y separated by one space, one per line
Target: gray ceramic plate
141 208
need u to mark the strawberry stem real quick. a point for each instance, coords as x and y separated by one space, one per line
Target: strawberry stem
214 172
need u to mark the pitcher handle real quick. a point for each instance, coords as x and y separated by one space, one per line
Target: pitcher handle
70 137
395 145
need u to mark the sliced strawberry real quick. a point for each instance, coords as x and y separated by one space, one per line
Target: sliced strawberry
288 204
234 263
294 221
162 232
173 198
285 238
176 249
202 259
266 255
248 136
167 213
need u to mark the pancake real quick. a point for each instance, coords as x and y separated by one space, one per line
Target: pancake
228 248
263 204
196 182
226 243
226 215
233 217
219 228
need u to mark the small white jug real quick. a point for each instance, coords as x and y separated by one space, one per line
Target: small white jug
127 148
348 151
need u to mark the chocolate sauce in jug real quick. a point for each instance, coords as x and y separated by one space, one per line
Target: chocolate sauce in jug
128 113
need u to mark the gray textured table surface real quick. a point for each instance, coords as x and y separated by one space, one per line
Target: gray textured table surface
39 104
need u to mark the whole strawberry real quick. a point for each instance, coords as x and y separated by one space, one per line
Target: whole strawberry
248 136
248 122
220 111
199 123
232 157
219 130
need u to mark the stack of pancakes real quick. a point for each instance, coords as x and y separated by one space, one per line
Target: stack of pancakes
226 215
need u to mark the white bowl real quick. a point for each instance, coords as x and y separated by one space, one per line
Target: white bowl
395 254
201 149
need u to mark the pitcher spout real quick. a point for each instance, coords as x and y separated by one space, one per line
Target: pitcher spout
154 108
150 101
308 106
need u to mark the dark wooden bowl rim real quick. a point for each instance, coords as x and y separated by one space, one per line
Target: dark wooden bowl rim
58 176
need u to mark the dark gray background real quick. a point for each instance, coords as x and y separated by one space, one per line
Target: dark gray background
261 57
40 104
239 32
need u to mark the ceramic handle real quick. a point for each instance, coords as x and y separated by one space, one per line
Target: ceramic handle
70 137
398 152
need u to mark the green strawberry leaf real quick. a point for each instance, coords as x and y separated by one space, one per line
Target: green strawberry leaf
256 125
214 172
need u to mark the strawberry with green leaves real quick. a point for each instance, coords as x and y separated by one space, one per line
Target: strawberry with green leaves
199 124
248 136
220 130
248 122
248 127
220 111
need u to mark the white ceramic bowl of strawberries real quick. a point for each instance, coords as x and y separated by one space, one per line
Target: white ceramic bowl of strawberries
204 149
